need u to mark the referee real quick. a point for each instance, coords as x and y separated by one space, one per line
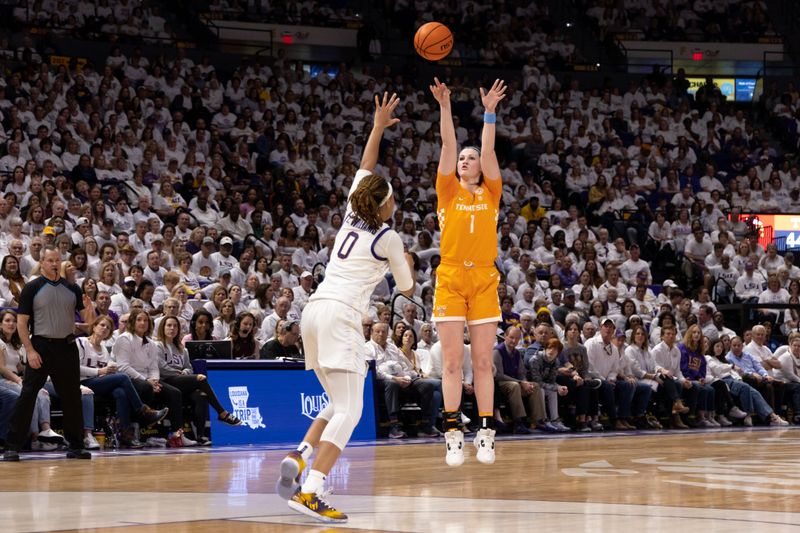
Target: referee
46 324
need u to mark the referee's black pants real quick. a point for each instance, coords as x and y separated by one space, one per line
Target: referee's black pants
61 362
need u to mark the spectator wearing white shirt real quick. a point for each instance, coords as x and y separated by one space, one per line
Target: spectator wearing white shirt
281 312
288 278
751 284
660 231
695 252
758 349
605 361
727 274
773 294
304 290
794 271
630 269
223 257
549 161
304 258
685 199
153 271
668 358
771 261
224 120
709 181
234 223
613 282
202 263
789 372
121 303
205 214
396 373
544 256
13 159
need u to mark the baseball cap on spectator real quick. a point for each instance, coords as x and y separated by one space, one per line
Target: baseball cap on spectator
81 221
642 274
619 333
669 283
749 265
158 238
542 310
607 320
306 274
49 230
569 293
225 241
108 222
208 240
765 157
128 279
224 272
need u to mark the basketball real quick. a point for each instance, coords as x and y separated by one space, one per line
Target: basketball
433 41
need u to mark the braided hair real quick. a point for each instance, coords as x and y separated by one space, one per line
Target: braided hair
367 199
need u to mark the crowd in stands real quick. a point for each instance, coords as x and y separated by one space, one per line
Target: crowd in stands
182 199
507 33
131 20
681 20
308 13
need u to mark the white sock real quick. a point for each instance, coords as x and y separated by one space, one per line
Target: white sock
314 482
305 450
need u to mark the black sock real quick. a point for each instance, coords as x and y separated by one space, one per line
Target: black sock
452 421
487 422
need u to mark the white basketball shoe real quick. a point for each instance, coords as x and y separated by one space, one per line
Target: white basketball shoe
484 443
454 440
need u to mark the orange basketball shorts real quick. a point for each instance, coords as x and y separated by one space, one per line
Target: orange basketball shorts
466 293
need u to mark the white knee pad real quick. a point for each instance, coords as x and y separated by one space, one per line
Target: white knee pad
346 395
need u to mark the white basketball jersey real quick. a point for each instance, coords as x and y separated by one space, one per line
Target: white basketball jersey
360 259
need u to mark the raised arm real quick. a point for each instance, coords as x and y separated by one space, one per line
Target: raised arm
490 99
88 313
449 155
383 119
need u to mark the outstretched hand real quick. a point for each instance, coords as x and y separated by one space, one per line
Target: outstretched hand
440 91
384 109
494 95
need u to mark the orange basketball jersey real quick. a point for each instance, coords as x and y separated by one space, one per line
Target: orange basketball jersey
468 221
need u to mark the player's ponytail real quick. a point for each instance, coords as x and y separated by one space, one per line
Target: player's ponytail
366 200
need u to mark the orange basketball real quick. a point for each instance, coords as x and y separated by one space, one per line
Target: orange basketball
433 41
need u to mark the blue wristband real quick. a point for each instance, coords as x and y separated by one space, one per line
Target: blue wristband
489 118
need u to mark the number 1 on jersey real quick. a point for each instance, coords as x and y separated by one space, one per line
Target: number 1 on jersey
472 223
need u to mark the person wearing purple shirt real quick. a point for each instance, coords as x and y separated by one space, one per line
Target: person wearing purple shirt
693 368
568 275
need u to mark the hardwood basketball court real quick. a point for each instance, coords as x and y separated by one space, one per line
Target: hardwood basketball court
718 480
